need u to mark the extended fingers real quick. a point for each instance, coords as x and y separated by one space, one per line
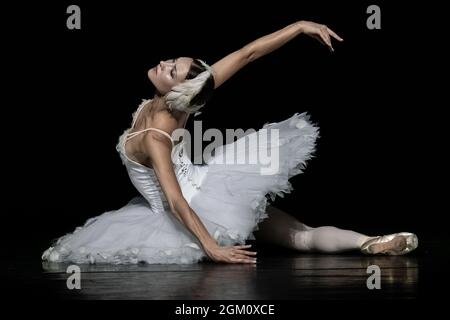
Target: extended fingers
241 250
242 246
250 253
334 35
326 37
240 258
325 34
319 38
240 255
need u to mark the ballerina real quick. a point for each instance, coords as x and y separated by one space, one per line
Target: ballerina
186 212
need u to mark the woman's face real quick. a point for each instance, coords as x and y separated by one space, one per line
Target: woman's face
169 73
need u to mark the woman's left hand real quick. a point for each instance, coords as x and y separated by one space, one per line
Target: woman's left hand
320 32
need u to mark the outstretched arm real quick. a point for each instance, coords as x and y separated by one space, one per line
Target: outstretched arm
230 64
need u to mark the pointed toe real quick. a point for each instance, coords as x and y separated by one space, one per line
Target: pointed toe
392 244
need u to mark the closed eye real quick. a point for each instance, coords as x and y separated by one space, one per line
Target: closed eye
173 72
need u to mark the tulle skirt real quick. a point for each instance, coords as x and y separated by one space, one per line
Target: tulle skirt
230 201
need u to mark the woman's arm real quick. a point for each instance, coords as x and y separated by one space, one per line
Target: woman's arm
229 65
158 148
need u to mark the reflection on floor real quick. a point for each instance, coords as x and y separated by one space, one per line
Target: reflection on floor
280 274
302 277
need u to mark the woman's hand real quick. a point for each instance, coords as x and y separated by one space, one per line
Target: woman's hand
320 32
232 254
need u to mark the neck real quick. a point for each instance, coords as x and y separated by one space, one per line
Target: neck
181 116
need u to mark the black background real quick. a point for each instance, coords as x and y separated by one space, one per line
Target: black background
73 92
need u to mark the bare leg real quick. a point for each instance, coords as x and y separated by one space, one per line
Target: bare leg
283 229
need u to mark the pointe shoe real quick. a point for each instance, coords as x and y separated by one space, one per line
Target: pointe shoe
392 244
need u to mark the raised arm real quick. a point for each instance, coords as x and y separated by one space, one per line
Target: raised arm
230 64
159 150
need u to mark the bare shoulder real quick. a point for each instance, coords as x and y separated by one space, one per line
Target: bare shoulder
157 142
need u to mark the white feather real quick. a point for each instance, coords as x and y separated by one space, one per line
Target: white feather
181 95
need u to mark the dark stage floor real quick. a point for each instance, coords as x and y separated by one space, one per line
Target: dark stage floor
279 275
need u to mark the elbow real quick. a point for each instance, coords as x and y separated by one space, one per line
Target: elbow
248 54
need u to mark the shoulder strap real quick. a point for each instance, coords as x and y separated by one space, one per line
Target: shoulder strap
136 113
134 134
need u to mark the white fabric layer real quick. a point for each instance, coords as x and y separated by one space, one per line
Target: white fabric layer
230 199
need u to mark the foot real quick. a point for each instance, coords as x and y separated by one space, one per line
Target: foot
393 244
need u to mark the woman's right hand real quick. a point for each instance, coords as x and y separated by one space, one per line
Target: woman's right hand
232 254
320 32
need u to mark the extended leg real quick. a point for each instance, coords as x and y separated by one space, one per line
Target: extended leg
283 229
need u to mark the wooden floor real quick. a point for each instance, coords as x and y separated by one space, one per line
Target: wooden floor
279 275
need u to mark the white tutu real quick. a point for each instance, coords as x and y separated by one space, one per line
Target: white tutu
230 200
